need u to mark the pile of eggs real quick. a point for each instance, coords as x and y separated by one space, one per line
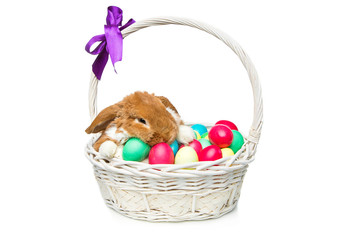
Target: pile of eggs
222 140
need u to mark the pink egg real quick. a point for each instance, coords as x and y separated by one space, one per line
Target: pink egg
210 153
195 144
161 153
221 136
227 123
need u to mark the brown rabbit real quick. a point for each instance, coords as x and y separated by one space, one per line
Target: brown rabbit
151 118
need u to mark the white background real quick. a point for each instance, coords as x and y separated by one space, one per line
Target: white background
305 180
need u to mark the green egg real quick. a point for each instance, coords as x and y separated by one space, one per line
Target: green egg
204 143
135 150
238 141
205 135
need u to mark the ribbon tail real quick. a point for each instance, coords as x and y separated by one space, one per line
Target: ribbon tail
100 63
114 41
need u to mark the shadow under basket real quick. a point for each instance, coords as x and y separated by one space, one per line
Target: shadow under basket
194 191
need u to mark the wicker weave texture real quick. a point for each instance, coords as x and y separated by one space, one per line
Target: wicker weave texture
173 192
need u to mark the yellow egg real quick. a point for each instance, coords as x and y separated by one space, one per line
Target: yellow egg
186 155
227 152
197 135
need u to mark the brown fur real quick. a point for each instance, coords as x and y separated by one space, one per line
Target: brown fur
168 104
162 125
103 119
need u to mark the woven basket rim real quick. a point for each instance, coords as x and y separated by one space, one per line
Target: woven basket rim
240 160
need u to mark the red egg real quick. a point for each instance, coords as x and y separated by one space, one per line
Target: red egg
227 123
221 136
210 153
195 144
161 153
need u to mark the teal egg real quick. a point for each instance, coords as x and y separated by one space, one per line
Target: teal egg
201 129
175 147
238 141
135 150
204 142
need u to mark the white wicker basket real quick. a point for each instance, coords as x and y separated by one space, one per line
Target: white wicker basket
169 192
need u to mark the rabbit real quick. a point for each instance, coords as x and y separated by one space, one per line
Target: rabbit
151 118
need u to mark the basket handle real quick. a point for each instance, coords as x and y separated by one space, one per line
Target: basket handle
256 126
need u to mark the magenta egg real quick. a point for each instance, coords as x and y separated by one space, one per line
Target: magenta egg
195 144
221 136
210 153
161 153
227 123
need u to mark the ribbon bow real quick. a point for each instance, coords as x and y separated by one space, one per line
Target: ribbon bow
111 43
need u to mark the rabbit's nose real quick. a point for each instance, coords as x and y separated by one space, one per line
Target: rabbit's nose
156 138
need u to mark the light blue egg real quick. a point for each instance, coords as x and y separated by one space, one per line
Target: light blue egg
201 129
175 147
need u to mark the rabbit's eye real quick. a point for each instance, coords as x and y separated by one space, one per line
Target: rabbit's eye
142 120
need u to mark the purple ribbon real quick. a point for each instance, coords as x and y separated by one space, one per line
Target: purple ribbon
111 43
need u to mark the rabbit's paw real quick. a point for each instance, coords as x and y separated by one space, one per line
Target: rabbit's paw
108 149
120 135
186 134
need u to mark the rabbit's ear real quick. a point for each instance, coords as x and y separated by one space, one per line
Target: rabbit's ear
167 103
171 109
104 118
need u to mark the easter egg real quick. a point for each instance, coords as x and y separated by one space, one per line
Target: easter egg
205 135
161 153
186 155
227 152
210 153
197 135
221 136
204 143
174 146
201 129
135 150
227 123
195 144
237 142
